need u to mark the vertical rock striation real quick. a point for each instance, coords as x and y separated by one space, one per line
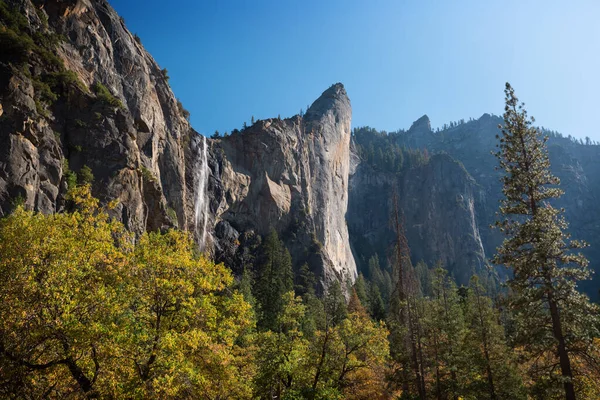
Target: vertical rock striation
290 175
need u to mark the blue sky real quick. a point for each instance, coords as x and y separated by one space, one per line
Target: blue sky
398 59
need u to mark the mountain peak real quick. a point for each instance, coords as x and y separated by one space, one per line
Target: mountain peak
334 98
422 124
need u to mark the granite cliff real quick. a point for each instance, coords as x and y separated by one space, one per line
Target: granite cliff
77 89
437 201
290 175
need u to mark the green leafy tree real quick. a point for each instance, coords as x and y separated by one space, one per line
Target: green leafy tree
555 322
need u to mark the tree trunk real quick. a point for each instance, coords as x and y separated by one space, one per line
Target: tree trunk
83 381
563 355
486 353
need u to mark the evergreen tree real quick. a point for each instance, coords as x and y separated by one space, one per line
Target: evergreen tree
314 317
335 304
555 322
376 304
404 316
245 287
275 278
490 367
447 326
424 277
360 286
306 281
281 354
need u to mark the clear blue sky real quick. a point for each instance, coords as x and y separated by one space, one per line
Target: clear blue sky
230 60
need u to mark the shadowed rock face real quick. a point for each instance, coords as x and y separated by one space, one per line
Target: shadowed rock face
471 143
438 206
290 175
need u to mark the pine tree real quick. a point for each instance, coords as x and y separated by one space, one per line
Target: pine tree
360 286
490 367
447 326
405 314
275 278
335 304
554 320
245 287
376 305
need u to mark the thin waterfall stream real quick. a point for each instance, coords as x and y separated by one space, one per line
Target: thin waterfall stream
201 206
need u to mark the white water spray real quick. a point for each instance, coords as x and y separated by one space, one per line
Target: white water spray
201 209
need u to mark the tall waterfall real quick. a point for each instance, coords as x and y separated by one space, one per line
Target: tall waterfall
201 207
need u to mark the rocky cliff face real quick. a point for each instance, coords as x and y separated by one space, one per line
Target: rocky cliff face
438 205
290 175
78 89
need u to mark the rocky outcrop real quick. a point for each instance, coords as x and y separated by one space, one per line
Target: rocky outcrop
88 94
290 175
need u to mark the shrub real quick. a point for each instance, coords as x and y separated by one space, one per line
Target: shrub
42 16
64 79
183 111
172 214
70 176
15 44
105 97
147 174
12 18
85 175
44 91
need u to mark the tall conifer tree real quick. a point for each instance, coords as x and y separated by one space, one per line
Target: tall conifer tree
553 318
